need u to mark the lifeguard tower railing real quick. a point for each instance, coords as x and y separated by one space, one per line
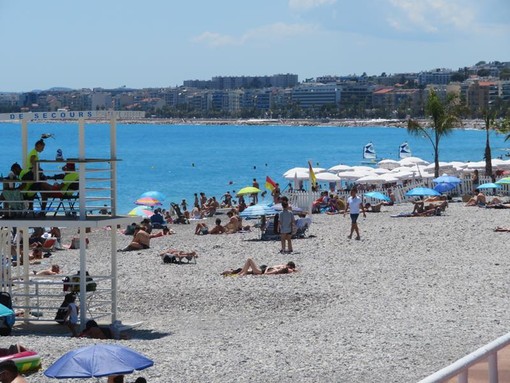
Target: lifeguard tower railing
83 209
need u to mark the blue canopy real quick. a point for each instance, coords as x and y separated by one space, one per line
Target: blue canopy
96 361
421 192
489 185
444 187
258 210
377 195
446 178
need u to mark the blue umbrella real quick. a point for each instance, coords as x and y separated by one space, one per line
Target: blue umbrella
444 187
96 361
8 313
154 194
378 195
256 211
421 192
489 185
448 179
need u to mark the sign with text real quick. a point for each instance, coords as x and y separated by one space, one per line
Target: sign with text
73 115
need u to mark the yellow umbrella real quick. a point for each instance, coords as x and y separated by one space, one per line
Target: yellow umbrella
248 190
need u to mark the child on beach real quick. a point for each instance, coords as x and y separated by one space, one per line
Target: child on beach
286 226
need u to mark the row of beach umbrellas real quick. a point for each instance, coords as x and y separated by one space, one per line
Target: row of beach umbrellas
388 171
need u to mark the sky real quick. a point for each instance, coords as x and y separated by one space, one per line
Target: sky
161 43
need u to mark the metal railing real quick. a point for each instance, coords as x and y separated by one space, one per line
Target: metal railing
459 370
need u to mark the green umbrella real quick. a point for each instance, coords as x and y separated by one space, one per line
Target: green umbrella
504 181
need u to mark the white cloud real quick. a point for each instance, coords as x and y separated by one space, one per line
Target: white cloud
304 5
272 32
432 16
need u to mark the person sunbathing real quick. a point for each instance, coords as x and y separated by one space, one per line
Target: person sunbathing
373 208
177 255
477 200
203 229
53 270
162 233
141 240
251 268
502 229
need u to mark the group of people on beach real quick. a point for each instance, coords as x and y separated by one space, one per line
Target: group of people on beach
30 183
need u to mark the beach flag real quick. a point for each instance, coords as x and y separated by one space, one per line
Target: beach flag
270 184
313 179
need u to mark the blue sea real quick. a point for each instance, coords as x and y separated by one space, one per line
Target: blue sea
180 160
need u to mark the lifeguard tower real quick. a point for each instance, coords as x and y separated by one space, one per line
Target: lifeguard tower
92 204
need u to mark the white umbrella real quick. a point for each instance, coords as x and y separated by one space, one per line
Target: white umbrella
410 161
388 164
388 178
458 164
339 168
298 175
363 168
371 179
381 171
327 177
443 166
353 175
476 165
290 172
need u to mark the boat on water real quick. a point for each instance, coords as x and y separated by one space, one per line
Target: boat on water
369 154
404 150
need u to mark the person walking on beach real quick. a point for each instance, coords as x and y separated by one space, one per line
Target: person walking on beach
286 224
355 205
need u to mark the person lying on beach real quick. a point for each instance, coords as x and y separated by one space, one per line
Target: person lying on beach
141 240
162 233
502 229
478 200
251 268
373 208
176 256
53 270
92 330
496 203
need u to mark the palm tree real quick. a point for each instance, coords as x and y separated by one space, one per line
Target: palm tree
489 117
445 116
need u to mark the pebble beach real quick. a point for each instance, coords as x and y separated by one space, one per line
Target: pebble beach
411 297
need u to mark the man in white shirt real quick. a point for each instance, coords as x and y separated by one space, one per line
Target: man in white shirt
355 205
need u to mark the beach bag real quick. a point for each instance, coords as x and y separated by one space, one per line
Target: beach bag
72 284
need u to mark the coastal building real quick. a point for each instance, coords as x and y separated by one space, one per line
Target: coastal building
316 95
437 77
479 94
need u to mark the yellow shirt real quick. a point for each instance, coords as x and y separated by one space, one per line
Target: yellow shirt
32 153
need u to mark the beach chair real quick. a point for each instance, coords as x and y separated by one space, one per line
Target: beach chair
269 233
180 217
65 198
49 245
301 231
